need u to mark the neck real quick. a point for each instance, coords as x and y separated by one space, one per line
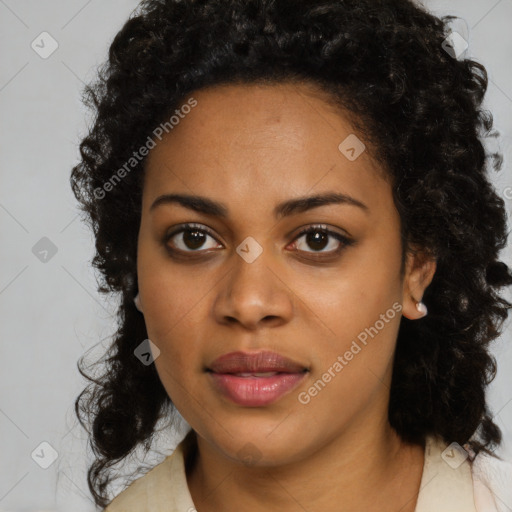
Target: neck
381 474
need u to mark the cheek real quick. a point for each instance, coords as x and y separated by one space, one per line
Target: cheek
171 295
355 314
177 331
352 297
360 327
181 345
352 365
175 303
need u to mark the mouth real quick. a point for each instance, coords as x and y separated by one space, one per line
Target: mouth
255 390
257 379
255 363
259 375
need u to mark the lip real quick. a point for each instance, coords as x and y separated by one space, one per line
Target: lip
263 361
250 390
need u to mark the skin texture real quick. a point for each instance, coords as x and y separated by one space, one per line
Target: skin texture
252 147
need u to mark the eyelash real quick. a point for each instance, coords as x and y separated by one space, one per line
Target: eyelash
344 241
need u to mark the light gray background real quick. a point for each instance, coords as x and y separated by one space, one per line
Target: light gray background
51 312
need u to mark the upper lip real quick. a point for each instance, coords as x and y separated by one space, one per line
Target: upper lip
264 361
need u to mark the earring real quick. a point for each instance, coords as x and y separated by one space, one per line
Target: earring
421 308
136 300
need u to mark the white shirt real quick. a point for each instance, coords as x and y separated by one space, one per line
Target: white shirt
484 485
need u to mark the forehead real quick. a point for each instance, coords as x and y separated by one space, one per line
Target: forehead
249 141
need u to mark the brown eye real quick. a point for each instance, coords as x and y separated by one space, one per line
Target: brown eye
190 238
319 238
193 239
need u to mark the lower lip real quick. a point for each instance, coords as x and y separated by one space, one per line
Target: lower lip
256 391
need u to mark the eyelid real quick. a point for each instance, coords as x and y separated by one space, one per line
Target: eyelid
190 226
323 227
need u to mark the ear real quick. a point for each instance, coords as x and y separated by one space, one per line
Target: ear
419 271
137 302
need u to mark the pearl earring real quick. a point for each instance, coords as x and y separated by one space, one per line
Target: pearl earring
136 300
421 308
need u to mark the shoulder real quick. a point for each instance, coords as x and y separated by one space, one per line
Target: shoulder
446 484
162 489
135 496
492 483
454 480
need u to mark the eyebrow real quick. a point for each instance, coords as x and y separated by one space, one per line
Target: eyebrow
207 206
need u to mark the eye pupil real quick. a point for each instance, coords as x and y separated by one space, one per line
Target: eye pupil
317 239
193 239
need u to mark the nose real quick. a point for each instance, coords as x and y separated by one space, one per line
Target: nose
253 294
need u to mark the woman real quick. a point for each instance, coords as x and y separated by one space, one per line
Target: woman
291 200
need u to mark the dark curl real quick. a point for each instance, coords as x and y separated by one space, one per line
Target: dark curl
420 110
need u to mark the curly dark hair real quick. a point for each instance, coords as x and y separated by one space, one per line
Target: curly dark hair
419 107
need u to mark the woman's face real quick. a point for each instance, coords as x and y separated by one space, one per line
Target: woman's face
244 279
